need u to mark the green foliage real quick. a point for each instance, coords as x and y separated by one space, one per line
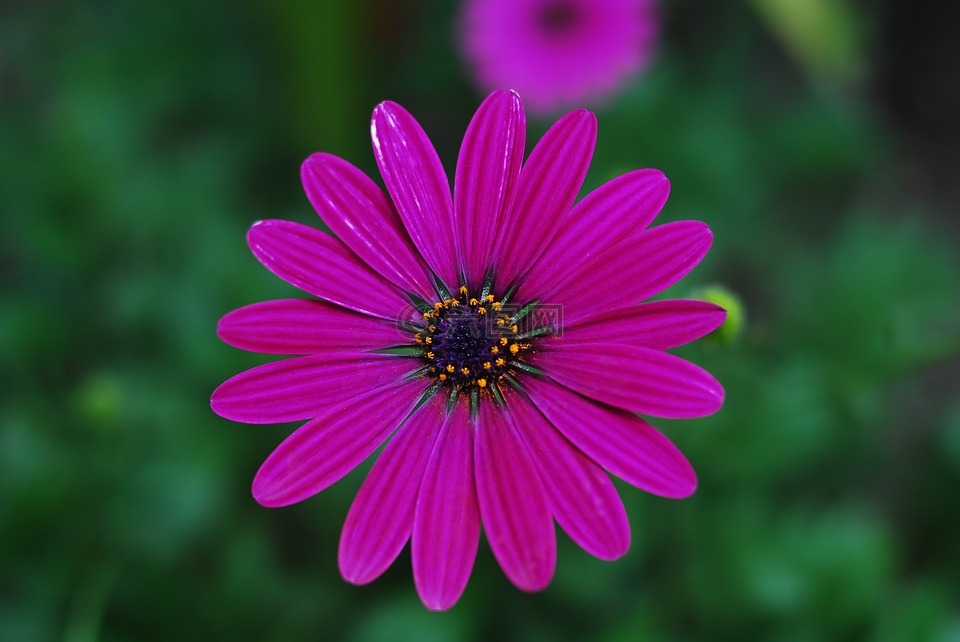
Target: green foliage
140 140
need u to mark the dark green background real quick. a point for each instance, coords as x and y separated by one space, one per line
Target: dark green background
138 141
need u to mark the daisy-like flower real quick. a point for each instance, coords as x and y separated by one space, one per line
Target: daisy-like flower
495 333
558 53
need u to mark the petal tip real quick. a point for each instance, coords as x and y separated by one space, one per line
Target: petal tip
614 552
257 229
512 103
684 484
311 166
686 490
217 404
350 571
266 495
389 110
438 603
586 118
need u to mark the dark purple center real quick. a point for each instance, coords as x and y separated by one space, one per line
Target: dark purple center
472 342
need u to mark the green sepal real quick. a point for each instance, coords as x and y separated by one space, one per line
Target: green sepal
401 350
487 285
425 397
420 304
524 311
526 367
409 326
419 372
452 401
512 381
536 332
474 403
497 395
441 288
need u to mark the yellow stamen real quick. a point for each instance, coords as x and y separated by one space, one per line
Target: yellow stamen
513 328
428 340
426 315
442 377
487 365
490 299
432 328
494 350
481 311
450 368
465 372
514 349
497 305
503 341
501 322
501 361
474 302
482 383
430 355
463 289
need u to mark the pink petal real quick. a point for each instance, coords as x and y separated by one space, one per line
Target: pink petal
634 378
301 326
319 264
418 185
446 526
325 449
621 442
549 183
361 215
627 274
581 496
381 518
660 325
304 387
513 506
612 214
487 174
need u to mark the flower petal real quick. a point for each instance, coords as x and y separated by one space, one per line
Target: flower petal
303 387
634 378
302 326
381 518
325 449
660 325
418 185
549 183
660 257
613 213
621 442
581 496
319 264
487 175
513 506
361 215
446 525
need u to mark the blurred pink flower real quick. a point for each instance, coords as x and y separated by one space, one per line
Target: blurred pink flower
494 332
558 53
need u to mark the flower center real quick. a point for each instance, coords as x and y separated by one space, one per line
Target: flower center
476 341
559 17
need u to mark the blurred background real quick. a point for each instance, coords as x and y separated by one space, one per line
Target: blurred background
138 142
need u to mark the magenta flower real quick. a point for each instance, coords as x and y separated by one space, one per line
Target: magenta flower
558 53
495 333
